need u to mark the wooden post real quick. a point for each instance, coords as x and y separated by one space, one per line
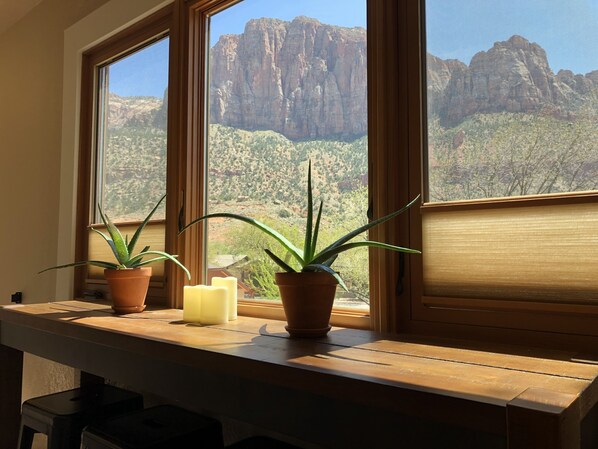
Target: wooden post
544 419
11 378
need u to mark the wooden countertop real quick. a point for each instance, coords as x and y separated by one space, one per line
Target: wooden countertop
520 394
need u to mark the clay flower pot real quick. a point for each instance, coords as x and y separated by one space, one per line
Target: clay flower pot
307 300
128 288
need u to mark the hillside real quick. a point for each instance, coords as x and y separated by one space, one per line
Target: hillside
512 154
270 90
242 169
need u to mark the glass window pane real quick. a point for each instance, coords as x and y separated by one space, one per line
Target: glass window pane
512 91
133 101
287 84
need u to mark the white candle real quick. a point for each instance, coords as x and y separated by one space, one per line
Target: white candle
214 305
230 283
192 303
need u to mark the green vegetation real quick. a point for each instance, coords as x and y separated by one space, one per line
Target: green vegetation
250 172
309 258
258 173
266 167
508 154
134 171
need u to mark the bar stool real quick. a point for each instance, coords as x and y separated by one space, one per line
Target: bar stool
260 442
62 416
160 427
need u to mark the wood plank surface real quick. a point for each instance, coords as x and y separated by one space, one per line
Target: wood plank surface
544 418
407 375
477 376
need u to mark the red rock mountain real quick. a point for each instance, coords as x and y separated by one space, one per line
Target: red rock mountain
513 76
308 80
303 79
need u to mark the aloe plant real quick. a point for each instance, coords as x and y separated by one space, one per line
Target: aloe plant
123 249
309 258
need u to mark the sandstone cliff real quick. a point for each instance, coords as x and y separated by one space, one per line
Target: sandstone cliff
302 79
513 76
308 80
132 111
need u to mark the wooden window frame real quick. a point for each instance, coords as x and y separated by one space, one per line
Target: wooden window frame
186 163
157 25
383 118
567 326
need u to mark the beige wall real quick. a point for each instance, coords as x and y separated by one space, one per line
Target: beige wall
31 67
38 144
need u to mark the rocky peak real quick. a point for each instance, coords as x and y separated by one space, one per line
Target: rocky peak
132 111
440 73
303 79
579 83
512 76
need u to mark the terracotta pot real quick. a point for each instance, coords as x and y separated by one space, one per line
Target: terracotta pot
128 288
307 299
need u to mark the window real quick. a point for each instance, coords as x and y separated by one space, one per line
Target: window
287 84
124 143
131 137
324 117
509 166
267 95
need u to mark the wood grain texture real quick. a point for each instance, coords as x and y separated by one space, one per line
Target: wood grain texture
544 418
492 389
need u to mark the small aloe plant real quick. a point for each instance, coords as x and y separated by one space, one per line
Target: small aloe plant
123 249
310 259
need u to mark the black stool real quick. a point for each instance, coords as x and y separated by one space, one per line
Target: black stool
161 427
261 443
62 416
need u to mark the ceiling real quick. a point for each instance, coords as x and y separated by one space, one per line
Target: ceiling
11 11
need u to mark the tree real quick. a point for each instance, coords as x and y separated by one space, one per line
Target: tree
507 154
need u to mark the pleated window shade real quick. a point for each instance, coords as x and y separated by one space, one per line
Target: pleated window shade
539 253
152 235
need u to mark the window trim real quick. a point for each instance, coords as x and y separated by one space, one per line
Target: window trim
156 25
187 97
382 35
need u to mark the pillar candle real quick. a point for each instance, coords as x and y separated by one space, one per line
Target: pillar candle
214 305
192 303
230 283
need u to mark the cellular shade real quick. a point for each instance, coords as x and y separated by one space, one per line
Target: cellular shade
152 235
540 253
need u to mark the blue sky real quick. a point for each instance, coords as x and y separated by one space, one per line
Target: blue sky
457 29
566 29
348 13
144 73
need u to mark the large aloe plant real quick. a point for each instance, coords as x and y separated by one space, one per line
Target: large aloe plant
123 249
309 258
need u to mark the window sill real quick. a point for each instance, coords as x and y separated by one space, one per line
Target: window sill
340 317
